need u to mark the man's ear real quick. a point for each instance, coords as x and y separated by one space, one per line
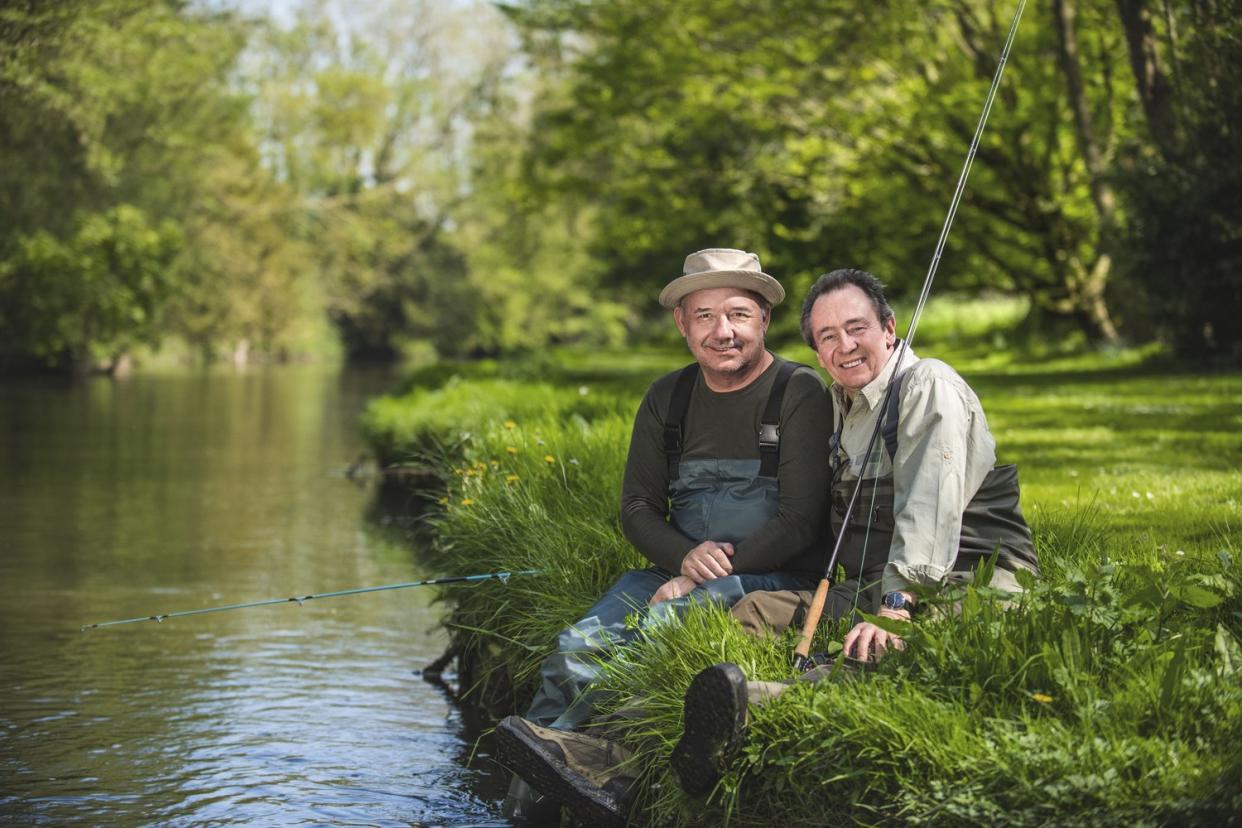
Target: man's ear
822 363
679 317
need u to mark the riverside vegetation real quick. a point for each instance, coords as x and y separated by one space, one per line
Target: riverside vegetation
1110 694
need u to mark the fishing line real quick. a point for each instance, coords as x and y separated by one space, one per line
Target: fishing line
802 651
503 577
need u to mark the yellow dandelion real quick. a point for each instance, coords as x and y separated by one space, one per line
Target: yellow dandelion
549 459
511 478
1042 698
443 501
509 424
470 472
511 449
480 465
467 501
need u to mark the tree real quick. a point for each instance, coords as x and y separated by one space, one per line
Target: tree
830 132
124 132
1184 244
95 295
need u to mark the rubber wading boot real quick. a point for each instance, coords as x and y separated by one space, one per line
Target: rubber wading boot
715 728
581 772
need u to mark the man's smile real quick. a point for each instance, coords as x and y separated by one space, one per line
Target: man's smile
853 363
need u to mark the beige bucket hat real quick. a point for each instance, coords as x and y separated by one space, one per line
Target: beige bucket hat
718 267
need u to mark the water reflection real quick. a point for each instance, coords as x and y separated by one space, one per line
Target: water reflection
171 492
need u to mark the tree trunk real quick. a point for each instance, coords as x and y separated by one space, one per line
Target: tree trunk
1153 87
1093 280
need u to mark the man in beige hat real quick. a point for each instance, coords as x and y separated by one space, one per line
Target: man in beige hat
724 493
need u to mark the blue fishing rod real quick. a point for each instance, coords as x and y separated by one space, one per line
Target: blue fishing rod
503 577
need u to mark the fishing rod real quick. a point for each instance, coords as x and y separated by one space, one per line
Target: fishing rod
503 577
802 651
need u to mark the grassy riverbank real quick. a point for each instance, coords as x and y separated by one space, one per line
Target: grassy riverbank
1112 694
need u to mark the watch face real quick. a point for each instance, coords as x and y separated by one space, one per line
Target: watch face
894 601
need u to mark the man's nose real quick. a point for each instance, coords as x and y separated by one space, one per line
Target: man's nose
723 328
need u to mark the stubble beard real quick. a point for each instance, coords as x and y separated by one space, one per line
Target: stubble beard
744 360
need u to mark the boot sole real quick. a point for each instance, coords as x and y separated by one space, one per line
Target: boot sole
715 728
547 773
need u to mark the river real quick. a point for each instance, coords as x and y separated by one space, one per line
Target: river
173 491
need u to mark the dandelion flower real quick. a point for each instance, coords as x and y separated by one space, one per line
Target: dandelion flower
1042 698
511 449
509 424
467 501
549 459
511 478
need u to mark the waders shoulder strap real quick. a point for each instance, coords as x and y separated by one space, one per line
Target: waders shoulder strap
675 419
890 416
770 424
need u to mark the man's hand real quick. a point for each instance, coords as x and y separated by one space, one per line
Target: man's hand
673 588
708 560
866 637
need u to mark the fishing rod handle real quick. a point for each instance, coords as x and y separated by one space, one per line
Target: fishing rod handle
812 621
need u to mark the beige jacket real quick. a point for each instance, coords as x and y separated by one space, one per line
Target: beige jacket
944 450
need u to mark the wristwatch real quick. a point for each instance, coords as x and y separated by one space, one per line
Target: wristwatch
897 601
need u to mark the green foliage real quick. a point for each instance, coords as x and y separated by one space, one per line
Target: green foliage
431 423
127 111
795 129
444 405
449 180
93 295
1182 246
529 494
1103 696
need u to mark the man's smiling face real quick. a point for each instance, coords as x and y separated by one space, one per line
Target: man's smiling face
850 341
724 328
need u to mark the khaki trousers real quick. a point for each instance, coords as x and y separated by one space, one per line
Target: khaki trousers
771 613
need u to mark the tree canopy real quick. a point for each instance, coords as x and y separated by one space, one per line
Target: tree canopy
466 179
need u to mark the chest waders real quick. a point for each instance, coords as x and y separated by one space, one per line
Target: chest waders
991 523
725 500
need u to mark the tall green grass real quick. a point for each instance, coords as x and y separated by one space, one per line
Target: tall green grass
1112 693
1109 696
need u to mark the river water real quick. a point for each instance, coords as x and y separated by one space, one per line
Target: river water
169 492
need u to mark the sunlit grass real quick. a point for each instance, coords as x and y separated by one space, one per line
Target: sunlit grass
1110 695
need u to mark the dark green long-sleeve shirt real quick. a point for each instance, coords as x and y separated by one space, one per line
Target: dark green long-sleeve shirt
726 426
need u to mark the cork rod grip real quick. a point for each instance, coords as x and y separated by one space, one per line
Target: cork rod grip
812 621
